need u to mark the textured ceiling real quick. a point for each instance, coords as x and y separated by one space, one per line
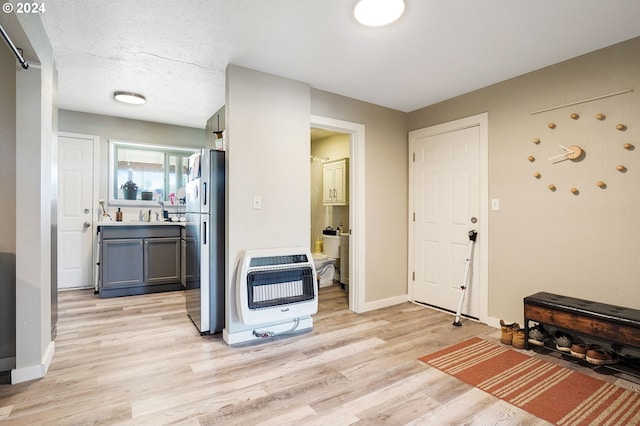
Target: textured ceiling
176 52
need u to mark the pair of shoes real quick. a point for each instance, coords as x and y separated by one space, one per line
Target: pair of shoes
506 332
598 356
518 338
578 350
537 335
563 341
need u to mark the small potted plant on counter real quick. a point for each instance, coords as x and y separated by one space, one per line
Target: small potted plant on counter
130 190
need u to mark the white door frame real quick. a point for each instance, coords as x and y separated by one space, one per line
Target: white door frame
94 201
357 227
481 120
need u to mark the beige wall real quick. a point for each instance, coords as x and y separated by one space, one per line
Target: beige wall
583 246
334 147
386 168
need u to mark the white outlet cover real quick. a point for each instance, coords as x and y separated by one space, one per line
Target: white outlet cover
257 202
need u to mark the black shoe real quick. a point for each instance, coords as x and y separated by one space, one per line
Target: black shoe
537 335
563 341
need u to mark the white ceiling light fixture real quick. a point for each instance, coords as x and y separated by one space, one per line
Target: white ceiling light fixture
130 98
376 13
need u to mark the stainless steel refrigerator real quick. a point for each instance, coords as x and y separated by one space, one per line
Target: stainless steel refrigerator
205 240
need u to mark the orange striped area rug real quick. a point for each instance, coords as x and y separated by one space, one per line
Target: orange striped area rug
544 389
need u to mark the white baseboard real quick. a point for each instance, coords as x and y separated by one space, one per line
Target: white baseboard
493 322
490 321
32 372
248 336
84 287
396 300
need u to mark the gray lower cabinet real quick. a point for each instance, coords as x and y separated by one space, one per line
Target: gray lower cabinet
122 262
139 260
162 260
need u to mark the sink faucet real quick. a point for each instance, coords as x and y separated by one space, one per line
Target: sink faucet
144 217
161 203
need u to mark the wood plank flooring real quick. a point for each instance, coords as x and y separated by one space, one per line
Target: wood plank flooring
140 361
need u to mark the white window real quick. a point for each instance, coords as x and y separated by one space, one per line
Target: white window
140 173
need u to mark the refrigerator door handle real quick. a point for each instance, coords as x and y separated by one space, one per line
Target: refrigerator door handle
204 195
204 233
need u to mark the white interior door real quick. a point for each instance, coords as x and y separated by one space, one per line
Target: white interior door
75 211
446 203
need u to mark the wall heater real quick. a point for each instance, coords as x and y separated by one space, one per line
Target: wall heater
276 285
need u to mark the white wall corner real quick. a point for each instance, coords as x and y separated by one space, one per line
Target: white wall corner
32 372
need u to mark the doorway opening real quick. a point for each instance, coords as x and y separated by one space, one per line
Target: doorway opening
330 196
353 212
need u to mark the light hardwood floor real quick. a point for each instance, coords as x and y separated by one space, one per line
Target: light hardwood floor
139 360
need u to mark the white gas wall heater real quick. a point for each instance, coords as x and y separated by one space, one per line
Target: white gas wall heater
276 285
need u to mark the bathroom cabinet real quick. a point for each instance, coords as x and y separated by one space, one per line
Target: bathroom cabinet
335 183
139 260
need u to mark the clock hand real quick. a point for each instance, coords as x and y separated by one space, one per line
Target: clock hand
569 152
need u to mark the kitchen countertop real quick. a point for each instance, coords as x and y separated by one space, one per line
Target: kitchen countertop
138 223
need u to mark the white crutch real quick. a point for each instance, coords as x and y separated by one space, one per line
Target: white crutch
467 276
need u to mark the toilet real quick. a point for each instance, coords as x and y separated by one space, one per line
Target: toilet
325 262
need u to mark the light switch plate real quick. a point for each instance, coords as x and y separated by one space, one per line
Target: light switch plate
495 204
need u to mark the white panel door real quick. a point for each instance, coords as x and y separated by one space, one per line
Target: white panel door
446 186
75 212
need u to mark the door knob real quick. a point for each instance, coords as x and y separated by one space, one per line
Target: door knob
86 225
474 219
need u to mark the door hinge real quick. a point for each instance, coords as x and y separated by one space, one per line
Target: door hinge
414 275
414 216
414 157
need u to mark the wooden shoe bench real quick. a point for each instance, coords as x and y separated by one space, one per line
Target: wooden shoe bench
614 324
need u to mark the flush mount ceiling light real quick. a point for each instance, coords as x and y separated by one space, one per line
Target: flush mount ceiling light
130 98
376 13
